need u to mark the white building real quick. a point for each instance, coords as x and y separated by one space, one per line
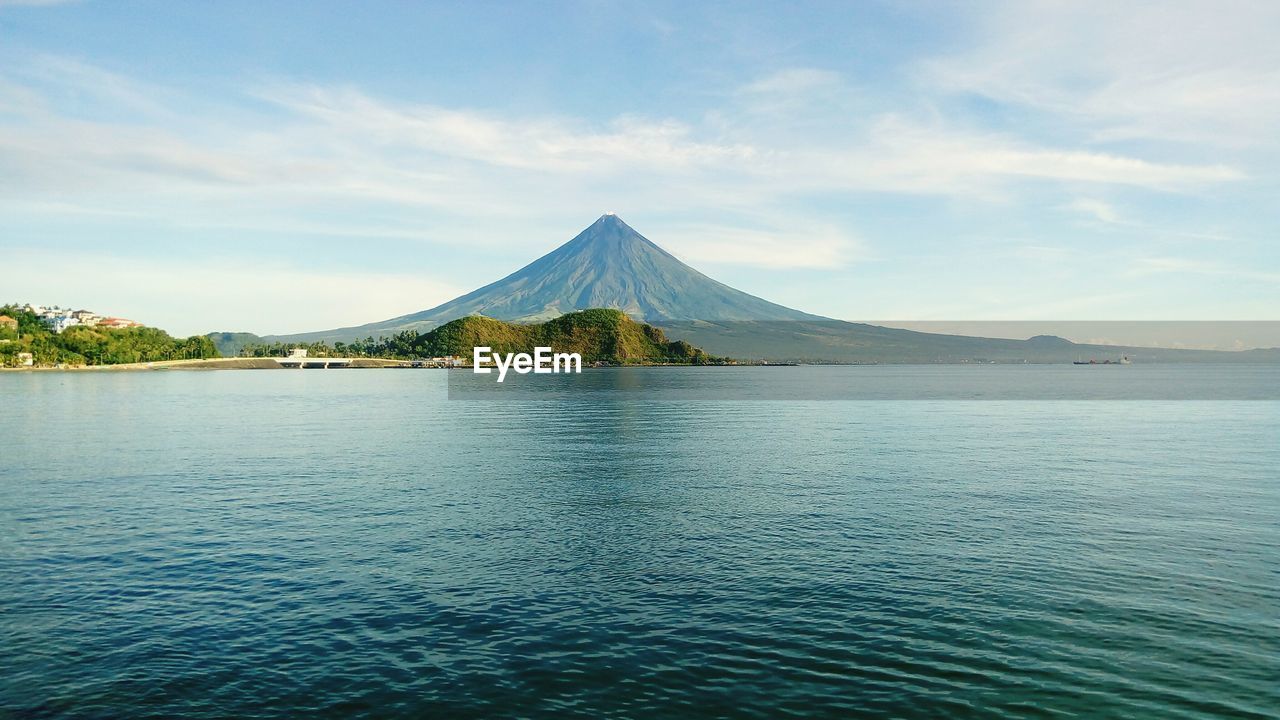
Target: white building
86 317
62 322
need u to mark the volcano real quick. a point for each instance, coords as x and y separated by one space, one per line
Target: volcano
607 265
610 265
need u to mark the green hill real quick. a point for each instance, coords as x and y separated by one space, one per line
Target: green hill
599 335
230 344
83 345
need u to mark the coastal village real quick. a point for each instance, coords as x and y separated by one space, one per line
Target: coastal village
34 336
58 319
55 320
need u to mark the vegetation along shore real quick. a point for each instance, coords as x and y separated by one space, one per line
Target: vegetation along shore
26 341
603 337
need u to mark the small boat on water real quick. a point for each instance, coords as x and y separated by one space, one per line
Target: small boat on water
1124 360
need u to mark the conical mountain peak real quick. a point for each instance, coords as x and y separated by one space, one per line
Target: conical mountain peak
607 265
609 225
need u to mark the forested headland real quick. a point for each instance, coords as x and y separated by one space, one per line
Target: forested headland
86 345
600 335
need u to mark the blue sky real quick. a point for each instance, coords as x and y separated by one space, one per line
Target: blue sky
281 167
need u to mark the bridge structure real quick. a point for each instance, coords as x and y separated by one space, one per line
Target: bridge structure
297 359
313 363
298 362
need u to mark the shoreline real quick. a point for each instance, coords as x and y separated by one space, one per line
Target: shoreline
388 364
206 364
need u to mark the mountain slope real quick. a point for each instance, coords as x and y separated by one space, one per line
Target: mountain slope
608 265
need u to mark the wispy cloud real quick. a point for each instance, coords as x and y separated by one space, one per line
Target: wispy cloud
793 81
1185 71
543 144
784 245
1094 209
1193 266
341 141
908 156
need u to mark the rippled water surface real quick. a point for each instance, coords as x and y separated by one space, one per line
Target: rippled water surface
351 543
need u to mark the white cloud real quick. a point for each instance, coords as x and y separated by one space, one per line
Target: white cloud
794 245
93 86
1205 72
793 81
1096 209
341 142
1180 265
543 144
943 160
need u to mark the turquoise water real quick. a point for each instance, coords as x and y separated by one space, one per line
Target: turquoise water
351 543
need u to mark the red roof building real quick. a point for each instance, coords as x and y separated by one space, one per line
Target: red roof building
115 322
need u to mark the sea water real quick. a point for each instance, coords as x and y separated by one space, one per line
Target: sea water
351 543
